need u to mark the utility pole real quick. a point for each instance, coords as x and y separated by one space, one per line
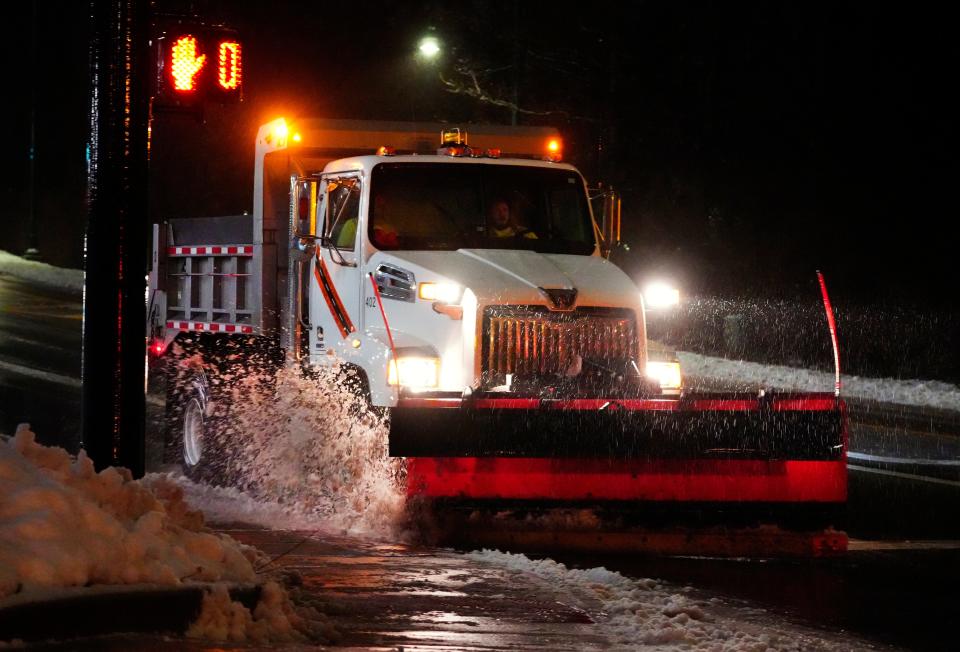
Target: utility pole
516 62
116 239
33 241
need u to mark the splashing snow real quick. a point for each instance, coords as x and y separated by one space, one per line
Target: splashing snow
306 441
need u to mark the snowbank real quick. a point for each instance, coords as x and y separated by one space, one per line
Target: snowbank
637 613
57 278
929 393
274 619
62 524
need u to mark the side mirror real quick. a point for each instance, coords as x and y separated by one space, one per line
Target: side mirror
610 225
305 242
303 207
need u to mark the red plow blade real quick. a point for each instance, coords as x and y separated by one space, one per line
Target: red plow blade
712 473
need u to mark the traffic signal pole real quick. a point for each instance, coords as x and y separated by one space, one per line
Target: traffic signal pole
114 311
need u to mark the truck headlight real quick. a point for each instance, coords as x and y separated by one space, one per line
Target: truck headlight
661 295
446 292
416 373
667 374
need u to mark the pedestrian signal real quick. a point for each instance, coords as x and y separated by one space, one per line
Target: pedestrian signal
196 64
185 63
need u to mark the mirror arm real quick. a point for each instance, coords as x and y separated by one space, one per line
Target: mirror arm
338 258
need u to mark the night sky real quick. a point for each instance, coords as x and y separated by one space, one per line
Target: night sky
753 142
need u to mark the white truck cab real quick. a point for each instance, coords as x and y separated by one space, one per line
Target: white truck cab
444 271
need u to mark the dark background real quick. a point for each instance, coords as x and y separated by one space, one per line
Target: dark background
753 142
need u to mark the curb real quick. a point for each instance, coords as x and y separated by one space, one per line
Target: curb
168 610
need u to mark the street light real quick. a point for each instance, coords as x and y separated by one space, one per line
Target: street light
429 47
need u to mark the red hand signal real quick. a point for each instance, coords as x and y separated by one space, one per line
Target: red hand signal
185 64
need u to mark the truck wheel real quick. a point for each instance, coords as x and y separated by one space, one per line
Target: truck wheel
192 431
188 425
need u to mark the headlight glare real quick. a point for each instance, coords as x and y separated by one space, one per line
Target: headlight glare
416 373
661 295
667 374
446 292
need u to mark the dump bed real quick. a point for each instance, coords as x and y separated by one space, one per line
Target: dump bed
208 267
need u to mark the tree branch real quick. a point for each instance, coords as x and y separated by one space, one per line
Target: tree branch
471 87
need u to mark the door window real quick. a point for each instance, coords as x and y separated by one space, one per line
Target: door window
343 212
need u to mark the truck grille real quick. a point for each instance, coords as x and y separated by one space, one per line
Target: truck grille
531 340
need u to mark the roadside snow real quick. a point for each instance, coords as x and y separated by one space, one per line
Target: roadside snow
57 278
226 505
274 619
642 613
62 524
929 393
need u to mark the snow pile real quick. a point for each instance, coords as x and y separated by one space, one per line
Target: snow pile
274 619
62 524
637 613
929 393
57 278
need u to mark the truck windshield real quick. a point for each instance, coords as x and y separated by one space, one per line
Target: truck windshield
452 206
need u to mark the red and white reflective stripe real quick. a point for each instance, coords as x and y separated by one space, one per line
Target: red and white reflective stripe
806 404
209 327
211 250
436 403
725 405
612 404
506 404
812 402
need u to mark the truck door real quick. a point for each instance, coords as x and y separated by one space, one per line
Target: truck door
336 312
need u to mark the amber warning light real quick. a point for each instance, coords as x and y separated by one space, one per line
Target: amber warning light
554 150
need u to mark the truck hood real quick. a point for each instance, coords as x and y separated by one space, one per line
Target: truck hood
516 276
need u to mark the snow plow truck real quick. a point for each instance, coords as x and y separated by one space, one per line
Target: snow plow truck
462 273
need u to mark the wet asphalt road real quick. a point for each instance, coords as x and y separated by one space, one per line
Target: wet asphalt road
898 585
40 332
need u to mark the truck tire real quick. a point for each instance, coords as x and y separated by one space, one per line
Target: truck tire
203 378
189 425
192 433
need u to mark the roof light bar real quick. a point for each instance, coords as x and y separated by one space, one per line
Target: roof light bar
554 150
453 137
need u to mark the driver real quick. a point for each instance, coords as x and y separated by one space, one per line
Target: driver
502 224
